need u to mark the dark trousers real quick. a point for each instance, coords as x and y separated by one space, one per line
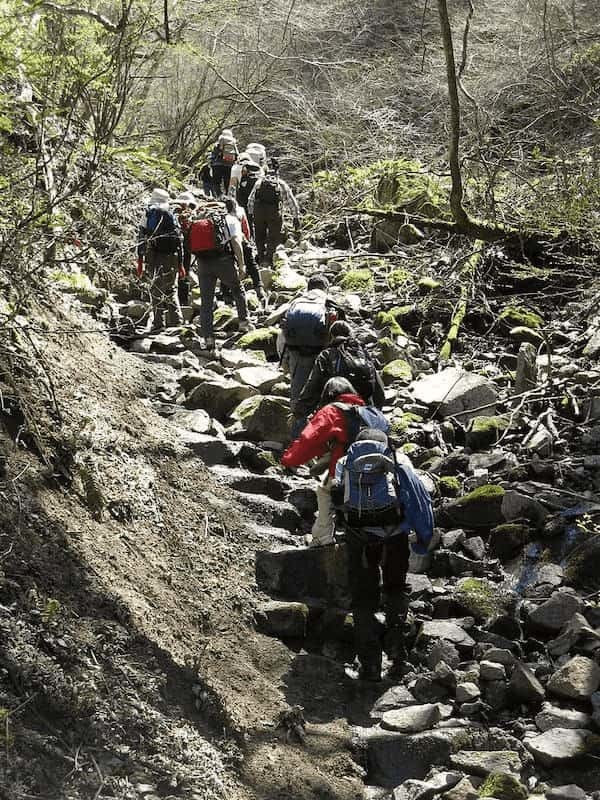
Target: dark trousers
162 275
268 224
215 268
251 269
221 177
377 568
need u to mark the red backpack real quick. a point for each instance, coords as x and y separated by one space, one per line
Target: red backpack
209 233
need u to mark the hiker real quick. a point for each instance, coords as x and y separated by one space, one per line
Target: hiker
248 248
160 259
265 211
216 241
183 207
205 176
380 500
304 333
236 173
346 357
257 153
331 430
223 157
250 173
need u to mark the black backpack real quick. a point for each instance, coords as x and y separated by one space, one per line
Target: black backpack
246 185
269 191
164 233
354 364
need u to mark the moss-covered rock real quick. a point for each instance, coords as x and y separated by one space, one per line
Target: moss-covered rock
357 280
400 424
515 316
484 431
482 599
397 370
263 418
449 486
481 508
264 339
287 279
80 285
409 234
507 539
426 285
503 786
387 350
224 319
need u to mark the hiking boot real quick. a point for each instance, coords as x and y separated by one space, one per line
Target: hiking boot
245 325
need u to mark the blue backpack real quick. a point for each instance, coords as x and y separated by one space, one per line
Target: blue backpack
306 322
371 494
164 234
359 417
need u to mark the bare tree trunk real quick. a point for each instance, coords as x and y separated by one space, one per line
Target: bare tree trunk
456 193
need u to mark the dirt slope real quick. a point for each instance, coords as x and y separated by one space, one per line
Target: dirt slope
127 603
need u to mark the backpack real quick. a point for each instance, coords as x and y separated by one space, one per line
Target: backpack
163 230
359 417
306 322
371 494
269 191
246 183
209 233
353 363
229 152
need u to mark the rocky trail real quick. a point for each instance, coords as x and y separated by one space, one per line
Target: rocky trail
501 693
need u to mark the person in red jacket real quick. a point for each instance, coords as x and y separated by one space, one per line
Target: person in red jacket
326 431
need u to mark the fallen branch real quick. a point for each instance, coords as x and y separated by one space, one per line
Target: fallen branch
467 274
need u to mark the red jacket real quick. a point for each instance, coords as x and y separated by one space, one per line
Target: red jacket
327 430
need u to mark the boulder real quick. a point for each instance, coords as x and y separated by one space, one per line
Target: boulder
293 573
484 762
558 745
393 757
197 421
446 629
481 508
503 786
556 612
520 506
467 692
552 716
454 392
219 396
507 539
578 679
397 370
411 719
484 431
464 790
263 418
262 339
567 792
426 790
394 698
491 671
283 619
524 687
238 359
213 450
527 368
262 377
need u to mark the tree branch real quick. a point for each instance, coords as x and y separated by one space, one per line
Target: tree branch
75 11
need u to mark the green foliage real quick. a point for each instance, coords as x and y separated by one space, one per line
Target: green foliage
485 493
427 285
397 278
400 425
51 611
399 184
389 319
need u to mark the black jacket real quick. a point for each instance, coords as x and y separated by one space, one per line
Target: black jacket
326 367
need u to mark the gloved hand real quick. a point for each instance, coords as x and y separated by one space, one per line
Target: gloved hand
181 271
139 270
296 224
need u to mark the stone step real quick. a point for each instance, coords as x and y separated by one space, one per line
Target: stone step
314 573
266 511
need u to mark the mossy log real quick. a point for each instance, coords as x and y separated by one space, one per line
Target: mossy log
467 274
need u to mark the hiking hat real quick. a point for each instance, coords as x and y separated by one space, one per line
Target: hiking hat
334 388
244 158
159 197
372 435
318 282
340 328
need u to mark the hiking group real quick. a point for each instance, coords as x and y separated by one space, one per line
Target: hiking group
366 489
